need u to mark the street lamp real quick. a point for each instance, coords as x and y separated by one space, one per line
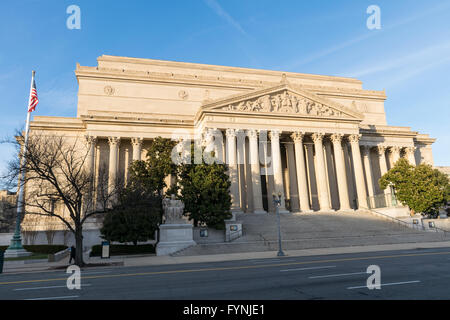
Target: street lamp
277 203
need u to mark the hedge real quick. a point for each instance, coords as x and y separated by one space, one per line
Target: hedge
41 248
124 249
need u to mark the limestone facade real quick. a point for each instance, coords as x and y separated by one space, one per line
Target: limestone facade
322 142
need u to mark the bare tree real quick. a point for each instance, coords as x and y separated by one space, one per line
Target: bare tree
50 229
57 171
30 229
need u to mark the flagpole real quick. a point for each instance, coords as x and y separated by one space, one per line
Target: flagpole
16 249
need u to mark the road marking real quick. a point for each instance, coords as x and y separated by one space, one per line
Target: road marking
265 261
311 268
232 268
52 287
54 298
337 275
99 272
386 284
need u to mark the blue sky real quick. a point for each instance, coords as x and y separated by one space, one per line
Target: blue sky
409 56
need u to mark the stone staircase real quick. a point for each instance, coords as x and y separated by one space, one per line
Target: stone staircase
314 230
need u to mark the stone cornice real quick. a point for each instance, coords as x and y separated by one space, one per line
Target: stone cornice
220 82
57 123
199 66
159 120
387 131
424 139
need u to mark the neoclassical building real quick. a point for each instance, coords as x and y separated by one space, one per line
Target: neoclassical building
321 141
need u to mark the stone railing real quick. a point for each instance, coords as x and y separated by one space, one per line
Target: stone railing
383 200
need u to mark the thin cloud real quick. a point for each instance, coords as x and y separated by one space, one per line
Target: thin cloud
439 8
431 53
215 6
413 72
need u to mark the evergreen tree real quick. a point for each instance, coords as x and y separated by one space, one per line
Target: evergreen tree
422 188
204 190
139 210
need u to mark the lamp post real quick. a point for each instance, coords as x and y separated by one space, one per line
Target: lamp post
277 203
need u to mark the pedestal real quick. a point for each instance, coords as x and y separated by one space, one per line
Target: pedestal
16 250
174 237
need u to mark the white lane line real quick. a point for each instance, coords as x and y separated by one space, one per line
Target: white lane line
337 275
386 284
52 287
311 268
54 298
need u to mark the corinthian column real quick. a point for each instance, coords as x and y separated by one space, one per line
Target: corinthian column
395 151
340 171
410 155
302 181
137 148
90 169
232 169
321 173
368 170
381 151
91 142
256 172
359 173
292 177
114 143
240 152
277 169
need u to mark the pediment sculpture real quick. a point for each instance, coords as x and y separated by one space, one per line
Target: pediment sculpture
285 102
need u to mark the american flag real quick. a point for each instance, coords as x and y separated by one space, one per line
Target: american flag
33 97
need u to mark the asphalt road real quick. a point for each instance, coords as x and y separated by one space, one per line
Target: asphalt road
412 274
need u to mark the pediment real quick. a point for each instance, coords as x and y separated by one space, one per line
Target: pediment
283 99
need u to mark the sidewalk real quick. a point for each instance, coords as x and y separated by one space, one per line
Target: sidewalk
152 260
165 260
22 266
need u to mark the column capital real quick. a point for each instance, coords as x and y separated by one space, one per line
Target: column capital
298 136
410 150
317 137
394 149
137 141
365 150
381 150
336 137
252 134
354 138
91 139
230 133
114 141
274 134
207 136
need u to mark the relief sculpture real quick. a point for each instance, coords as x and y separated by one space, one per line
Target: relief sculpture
284 103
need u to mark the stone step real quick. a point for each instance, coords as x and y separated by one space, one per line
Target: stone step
314 230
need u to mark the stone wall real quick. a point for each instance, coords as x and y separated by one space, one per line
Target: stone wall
7 211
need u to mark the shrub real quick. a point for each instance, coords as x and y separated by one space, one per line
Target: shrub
41 248
123 249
